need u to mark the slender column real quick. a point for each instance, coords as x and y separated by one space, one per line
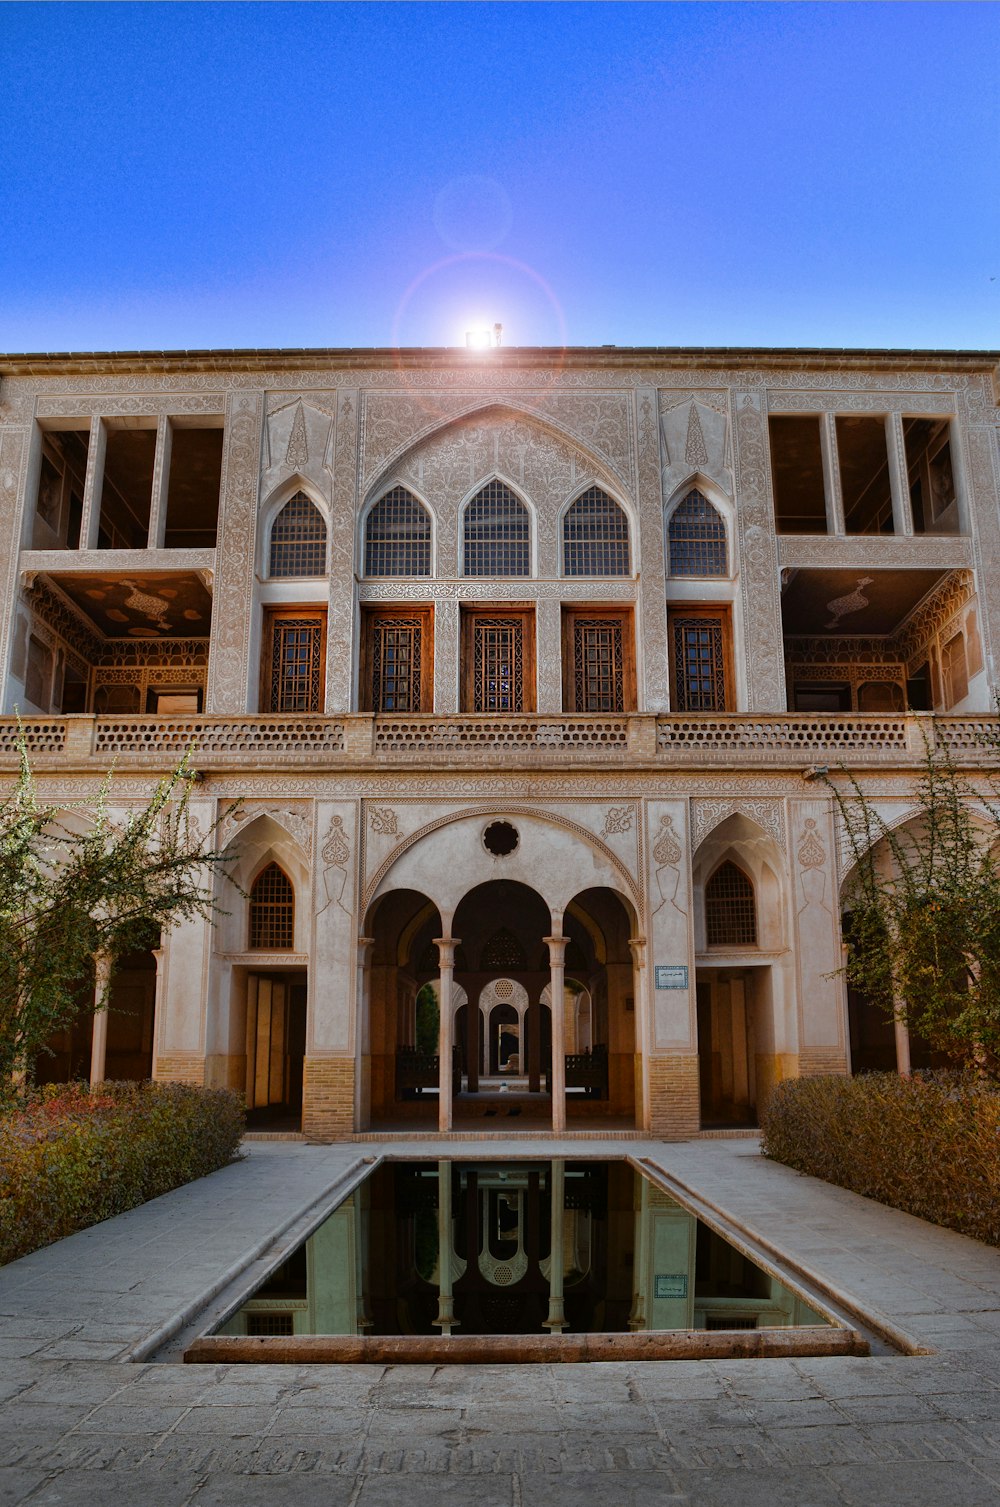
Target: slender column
159 955
535 1046
99 1038
93 484
472 1048
834 494
363 1032
557 991
643 1032
902 1044
446 955
556 1321
445 1320
161 483
899 482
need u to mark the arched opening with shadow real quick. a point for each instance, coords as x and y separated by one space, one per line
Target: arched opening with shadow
399 1062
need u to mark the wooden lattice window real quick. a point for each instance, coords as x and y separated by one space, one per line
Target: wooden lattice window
298 540
295 652
696 538
598 673
497 536
398 536
272 911
699 661
595 537
498 662
730 911
396 667
503 950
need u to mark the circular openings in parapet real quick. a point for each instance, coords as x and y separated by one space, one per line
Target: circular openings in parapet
500 839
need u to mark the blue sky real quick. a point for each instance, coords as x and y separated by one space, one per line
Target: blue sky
184 176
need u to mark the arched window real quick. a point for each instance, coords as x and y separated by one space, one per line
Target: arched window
730 911
497 537
595 537
272 910
398 536
298 540
696 539
503 950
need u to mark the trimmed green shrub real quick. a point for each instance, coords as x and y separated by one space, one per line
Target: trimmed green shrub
929 1145
71 1156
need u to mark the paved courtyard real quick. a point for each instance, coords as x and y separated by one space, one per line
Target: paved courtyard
82 1424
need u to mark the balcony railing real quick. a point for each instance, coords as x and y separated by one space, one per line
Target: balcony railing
268 741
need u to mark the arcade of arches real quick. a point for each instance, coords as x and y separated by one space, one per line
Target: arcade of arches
494 981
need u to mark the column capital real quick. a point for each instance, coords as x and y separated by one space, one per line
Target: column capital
637 947
557 950
446 950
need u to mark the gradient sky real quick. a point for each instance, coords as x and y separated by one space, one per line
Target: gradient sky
185 176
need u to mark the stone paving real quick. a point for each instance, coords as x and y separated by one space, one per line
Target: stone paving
79 1424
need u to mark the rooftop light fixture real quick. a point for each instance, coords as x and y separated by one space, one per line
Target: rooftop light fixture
482 338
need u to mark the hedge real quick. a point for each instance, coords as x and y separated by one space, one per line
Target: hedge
71 1156
929 1144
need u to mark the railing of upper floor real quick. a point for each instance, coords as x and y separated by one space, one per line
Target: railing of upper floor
679 740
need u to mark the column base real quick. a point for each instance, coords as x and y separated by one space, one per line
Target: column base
674 1111
180 1067
328 1098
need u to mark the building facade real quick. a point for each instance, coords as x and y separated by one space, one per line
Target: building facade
521 665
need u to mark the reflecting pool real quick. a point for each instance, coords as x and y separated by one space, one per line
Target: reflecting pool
519 1247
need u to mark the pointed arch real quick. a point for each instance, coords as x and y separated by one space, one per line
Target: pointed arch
272 911
397 536
697 537
297 539
496 533
730 907
595 536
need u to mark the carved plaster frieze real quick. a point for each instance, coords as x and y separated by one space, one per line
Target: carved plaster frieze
151 405
469 589
297 821
885 401
706 815
830 551
336 849
229 669
811 853
758 557
299 440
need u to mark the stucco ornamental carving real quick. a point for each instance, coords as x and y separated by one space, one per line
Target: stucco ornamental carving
758 561
811 852
383 821
335 850
617 819
297 451
297 823
706 815
666 848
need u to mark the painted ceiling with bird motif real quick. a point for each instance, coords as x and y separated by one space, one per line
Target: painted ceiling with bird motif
157 604
870 602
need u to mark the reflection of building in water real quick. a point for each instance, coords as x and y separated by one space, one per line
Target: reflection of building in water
519 660
522 1248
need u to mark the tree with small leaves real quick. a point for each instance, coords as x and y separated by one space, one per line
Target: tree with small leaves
69 896
924 909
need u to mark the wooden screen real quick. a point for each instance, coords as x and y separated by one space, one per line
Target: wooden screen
294 660
498 662
700 661
396 662
598 669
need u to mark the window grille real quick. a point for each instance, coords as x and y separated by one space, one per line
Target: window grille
270 1323
730 912
272 910
503 950
727 1321
697 539
598 665
498 665
398 536
296 664
497 537
298 540
699 664
395 659
595 537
